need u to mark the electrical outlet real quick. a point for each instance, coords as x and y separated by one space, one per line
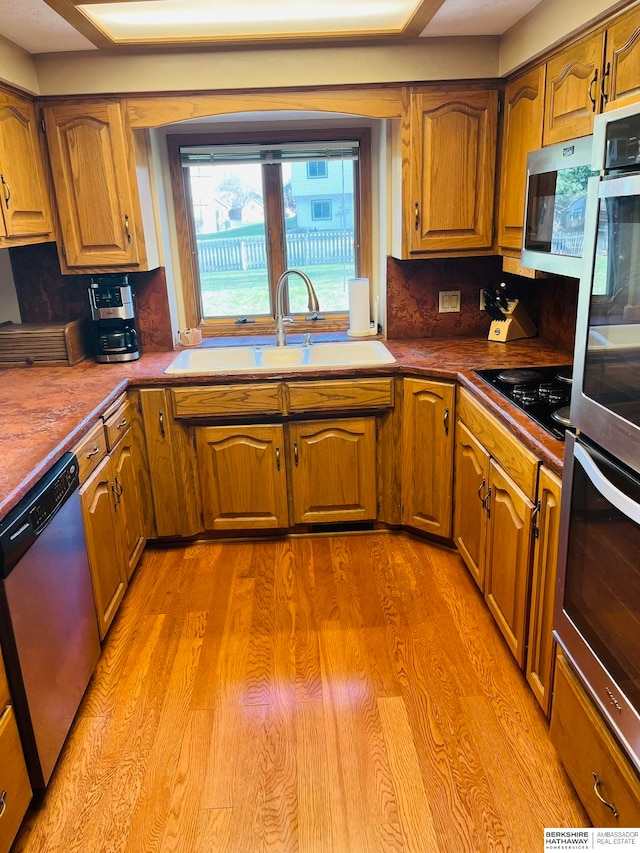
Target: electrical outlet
448 301
482 302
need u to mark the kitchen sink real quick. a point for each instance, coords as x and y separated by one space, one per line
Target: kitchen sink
272 358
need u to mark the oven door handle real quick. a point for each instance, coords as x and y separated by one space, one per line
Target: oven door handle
616 498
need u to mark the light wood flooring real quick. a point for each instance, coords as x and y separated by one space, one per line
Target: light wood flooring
344 694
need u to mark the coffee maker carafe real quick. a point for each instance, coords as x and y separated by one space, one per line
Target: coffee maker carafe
113 312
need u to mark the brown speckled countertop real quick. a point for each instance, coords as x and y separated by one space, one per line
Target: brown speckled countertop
45 410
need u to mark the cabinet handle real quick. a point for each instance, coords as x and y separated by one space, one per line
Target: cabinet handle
277 457
485 503
481 487
118 485
416 222
295 452
127 230
596 790
7 192
161 418
3 803
93 452
591 85
605 95
446 421
116 497
122 423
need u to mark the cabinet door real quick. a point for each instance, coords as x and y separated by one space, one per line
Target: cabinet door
472 490
171 461
508 569
622 61
97 198
541 645
523 116
242 477
453 154
573 90
99 497
25 201
14 779
129 521
427 455
333 470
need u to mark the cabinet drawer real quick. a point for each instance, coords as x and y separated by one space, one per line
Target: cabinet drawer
91 450
222 400
340 394
117 424
515 458
586 747
13 779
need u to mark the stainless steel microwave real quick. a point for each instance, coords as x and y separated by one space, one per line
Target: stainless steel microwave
555 202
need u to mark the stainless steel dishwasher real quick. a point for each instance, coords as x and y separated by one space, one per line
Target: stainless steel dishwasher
48 623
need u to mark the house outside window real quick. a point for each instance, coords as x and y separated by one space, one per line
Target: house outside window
321 210
317 169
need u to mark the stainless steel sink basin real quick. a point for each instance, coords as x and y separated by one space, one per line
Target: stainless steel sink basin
272 358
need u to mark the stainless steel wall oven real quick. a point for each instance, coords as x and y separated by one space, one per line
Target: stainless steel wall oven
597 619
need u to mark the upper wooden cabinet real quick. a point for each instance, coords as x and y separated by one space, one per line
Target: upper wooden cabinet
622 61
448 161
523 116
596 73
93 160
26 213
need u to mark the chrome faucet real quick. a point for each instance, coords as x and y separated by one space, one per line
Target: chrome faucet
281 317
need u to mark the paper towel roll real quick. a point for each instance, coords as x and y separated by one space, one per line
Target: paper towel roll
359 325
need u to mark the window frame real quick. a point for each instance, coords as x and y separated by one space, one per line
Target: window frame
212 327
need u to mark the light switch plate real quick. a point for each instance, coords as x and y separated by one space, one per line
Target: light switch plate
448 301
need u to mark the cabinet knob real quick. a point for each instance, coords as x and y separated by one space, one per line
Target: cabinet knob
596 790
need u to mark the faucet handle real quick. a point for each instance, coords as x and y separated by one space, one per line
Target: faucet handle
287 318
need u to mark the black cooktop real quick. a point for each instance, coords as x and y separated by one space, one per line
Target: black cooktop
544 393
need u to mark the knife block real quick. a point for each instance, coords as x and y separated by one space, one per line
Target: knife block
516 324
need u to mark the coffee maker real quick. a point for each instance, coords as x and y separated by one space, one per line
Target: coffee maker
113 311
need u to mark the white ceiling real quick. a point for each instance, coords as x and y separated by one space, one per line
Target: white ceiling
34 26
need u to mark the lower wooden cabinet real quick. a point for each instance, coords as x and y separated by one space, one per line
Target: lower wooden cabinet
15 789
333 470
99 498
472 489
603 777
428 420
114 527
508 563
496 482
541 650
242 476
172 466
